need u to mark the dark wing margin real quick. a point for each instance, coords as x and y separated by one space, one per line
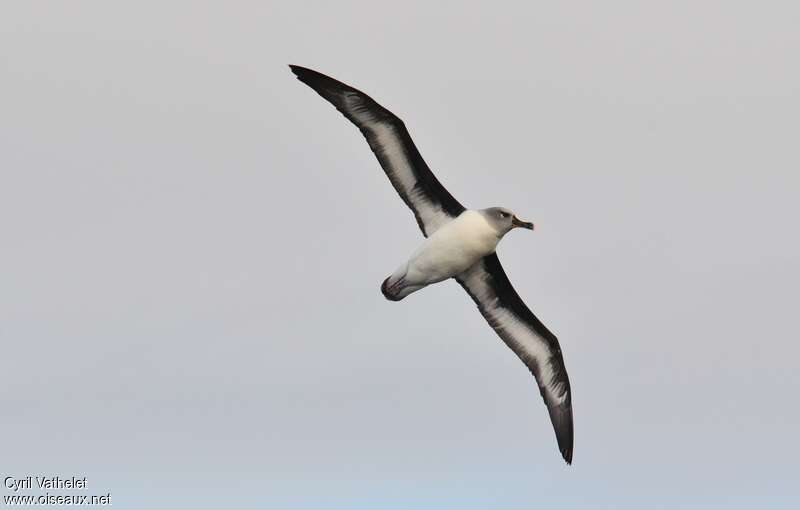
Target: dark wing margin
501 306
431 203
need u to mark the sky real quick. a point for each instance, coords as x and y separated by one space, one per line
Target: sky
193 244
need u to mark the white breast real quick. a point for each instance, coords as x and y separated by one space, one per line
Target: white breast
452 249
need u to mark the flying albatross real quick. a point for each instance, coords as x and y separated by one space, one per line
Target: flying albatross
460 243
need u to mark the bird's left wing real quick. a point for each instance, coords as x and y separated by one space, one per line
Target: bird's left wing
431 203
536 346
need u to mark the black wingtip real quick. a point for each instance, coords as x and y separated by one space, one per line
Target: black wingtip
561 417
303 73
567 454
315 79
297 70
330 89
385 291
565 446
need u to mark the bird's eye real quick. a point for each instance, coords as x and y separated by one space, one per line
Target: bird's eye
503 214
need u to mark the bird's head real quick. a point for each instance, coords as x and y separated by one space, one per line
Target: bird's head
503 220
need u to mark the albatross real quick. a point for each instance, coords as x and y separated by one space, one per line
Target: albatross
459 243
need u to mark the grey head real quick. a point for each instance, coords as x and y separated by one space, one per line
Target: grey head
503 220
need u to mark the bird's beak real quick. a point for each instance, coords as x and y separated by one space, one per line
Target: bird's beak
522 224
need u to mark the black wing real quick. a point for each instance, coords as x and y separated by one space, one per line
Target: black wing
431 203
536 346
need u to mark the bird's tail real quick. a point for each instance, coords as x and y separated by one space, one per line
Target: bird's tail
395 287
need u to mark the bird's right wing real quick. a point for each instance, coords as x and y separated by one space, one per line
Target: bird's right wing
431 203
501 306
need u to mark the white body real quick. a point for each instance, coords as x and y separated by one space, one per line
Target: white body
451 250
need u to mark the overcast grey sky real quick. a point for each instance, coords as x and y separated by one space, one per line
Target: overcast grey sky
193 244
